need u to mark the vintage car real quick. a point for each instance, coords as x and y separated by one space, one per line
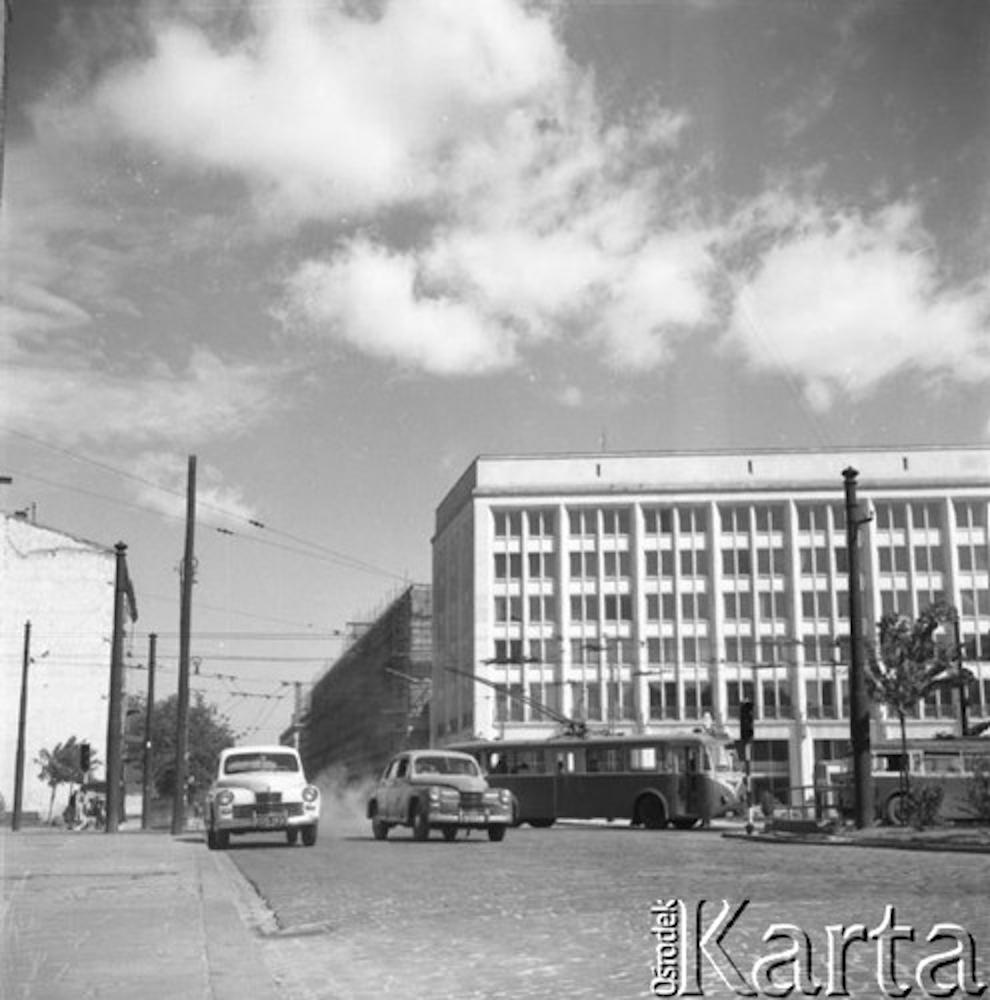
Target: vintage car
261 789
438 789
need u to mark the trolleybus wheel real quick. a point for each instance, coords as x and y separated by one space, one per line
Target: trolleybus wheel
651 813
896 811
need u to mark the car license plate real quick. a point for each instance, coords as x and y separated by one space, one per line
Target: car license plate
272 821
473 817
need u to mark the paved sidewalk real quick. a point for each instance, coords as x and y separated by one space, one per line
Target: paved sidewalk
125 915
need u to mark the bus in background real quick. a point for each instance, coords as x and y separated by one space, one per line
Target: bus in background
684 780
949 762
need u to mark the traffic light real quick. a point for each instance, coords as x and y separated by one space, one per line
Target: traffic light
85 757
746 721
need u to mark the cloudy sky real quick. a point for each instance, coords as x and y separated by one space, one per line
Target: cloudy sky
335 250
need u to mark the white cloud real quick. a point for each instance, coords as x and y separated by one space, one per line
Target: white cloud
320 111
378 300
165 484
70 404
538 219
847 301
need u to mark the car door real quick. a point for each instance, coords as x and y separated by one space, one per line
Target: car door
395 793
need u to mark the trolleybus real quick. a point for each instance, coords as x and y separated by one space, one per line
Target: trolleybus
951 763
650 780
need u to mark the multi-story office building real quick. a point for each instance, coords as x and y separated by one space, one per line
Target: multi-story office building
653 592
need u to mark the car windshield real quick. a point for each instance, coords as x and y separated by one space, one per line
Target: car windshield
438 764
239 763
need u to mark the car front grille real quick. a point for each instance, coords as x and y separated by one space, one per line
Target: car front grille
268 798
472 800
268 809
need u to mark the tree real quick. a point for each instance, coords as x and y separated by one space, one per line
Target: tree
60 766
209 733
906 665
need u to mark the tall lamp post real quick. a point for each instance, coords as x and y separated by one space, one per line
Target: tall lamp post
859 702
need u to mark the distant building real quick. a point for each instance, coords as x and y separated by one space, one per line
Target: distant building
64 587
655 592
374 700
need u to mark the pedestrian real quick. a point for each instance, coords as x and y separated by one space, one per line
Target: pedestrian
71 815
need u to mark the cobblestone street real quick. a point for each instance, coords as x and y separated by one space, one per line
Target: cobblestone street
566 912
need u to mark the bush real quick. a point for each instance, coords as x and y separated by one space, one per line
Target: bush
978 792
924 806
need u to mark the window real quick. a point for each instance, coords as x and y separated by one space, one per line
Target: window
816 604
738 606
694 562
615 522
658 521
663 700
694 606
540 608
693 520
584 565
616 564
508 609
508 566
583 523
735 520
541 523
541 565
769 519
770 562
584 607
508 524
737 562
508 651
618 607
740 649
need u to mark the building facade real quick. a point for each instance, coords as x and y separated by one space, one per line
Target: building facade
374 699
656 592
64 587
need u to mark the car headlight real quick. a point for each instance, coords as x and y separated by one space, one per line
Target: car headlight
498 796
225 797
438 793
310 793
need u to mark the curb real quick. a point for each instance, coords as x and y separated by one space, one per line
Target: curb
834 840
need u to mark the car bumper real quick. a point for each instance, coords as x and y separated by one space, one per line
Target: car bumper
471 819
264 822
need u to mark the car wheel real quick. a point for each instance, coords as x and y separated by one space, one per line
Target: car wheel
685 822
541 824
379 828
292 835
309 835
222 839
421 823
450 833
211 838
496 833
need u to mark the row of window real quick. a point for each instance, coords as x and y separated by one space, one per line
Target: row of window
738 519
691 699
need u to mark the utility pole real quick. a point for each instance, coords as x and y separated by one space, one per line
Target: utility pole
115 730
859 703
15 820
146 762
185 618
